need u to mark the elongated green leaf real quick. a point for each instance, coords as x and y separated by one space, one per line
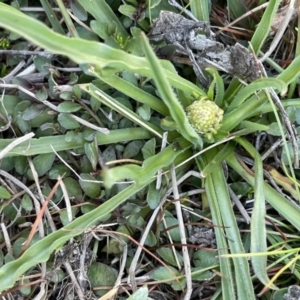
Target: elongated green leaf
136 93
267 107
59 143
236 8
201 9
258 227
101 11
67 19
122 109
263 28
241 113
169 97
285 208
52 17
227 281
217 183
91 151
255 86
128 171
254 126
228 148
291 72
140 174
219 86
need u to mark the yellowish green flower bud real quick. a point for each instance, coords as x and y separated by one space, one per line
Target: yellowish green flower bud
205 116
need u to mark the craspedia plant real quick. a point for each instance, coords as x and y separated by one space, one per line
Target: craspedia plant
205 117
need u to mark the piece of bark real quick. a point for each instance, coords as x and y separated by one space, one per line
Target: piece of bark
196 40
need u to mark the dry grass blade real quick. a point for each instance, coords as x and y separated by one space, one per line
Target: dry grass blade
138 251
13 144
281 29
186 258
39 217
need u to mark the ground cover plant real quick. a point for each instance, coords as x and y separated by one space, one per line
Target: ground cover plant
141 158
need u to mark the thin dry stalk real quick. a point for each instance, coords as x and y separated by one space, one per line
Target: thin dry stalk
186 258
39 217
141 243
38 187
284 24
15 143
28 191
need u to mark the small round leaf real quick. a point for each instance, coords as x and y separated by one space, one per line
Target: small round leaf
91 189
68 107
101 275
4 193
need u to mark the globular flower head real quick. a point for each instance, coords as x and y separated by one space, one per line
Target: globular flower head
205 116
